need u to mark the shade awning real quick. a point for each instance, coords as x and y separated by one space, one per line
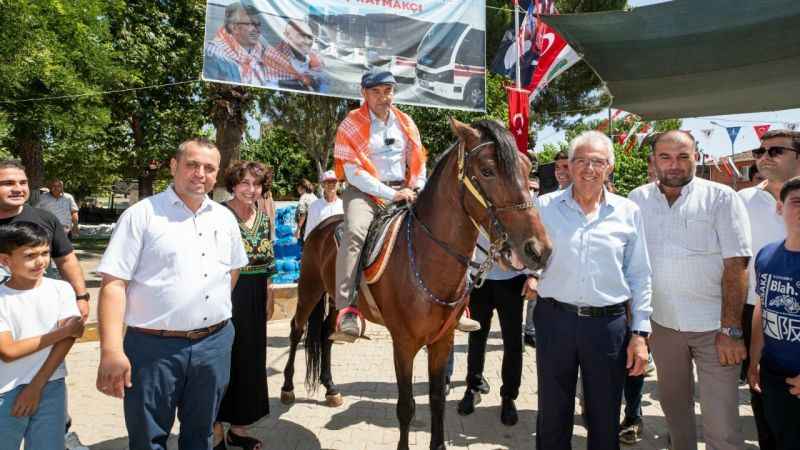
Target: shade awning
689 58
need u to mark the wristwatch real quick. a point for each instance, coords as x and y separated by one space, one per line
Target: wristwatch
733 332
644 334
84 296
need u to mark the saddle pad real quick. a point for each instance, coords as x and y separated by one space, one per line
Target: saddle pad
380 252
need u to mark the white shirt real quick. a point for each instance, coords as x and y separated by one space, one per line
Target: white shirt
305 201
765 226
687 243
177 263
62 207
28 314
320 210
596 261
389 160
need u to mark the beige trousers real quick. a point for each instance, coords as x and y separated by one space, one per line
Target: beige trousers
359 209
674 351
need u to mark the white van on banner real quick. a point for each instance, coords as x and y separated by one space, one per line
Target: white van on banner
435 48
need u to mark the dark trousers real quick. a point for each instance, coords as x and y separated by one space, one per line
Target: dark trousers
634 389
506 297
781 410
766 440
170 374
565 343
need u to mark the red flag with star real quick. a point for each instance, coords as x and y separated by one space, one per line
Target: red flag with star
518 113
761 129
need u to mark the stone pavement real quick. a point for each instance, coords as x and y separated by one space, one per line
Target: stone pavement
365 375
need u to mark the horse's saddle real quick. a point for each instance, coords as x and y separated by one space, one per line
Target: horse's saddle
379 242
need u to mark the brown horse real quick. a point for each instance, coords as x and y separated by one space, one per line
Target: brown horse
425 285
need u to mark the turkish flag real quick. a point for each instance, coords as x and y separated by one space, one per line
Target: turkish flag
761 129
518 116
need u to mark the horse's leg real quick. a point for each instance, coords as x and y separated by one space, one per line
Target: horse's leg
332 396
438 353
287 391
403 367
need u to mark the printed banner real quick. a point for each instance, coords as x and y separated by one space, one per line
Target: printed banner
435 48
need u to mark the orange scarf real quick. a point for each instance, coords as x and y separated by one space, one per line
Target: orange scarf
352 145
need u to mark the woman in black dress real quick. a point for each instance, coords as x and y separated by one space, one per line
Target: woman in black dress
246 400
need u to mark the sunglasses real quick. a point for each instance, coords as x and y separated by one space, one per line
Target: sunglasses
773 151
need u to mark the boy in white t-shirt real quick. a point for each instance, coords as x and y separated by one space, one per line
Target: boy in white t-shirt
39 321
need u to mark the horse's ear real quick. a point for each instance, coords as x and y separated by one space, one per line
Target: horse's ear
462 130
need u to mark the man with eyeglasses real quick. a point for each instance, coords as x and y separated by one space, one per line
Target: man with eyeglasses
698 239
236 53
598 270
778 160
292 64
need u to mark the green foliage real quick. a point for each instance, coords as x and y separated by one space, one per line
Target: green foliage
278 149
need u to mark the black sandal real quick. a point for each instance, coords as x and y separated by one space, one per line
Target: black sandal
245 442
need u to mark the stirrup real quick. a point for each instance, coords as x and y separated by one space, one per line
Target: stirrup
346 337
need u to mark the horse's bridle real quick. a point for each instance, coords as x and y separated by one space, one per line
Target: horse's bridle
473 186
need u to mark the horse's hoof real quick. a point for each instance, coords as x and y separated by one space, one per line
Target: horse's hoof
287 397
334 400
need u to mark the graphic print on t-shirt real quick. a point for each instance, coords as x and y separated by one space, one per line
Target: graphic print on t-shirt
781 308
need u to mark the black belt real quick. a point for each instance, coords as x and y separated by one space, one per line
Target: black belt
587 311
192 335
395 184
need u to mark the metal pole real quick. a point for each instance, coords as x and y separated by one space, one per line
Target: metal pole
733 162
518 44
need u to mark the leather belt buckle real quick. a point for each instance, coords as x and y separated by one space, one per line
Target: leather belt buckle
584 311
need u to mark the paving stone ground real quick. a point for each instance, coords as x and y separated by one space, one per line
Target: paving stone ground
364 372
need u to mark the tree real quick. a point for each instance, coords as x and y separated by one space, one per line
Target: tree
156 45
53 48
289 161
310 120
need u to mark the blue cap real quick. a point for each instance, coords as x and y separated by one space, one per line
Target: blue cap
376 77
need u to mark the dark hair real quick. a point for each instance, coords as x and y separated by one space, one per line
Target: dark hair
22 234
672 136
200 141
793 135
753 171
789 187
306 185
240 169
11 164
562 154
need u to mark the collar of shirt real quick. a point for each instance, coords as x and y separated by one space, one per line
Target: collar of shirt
686 190
376 121
607 203
174 200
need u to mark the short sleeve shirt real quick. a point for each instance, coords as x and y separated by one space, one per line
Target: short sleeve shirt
32 313
778 274
687 243
62 207
59 244
766 226
177 262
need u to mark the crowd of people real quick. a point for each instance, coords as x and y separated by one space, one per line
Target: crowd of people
685 268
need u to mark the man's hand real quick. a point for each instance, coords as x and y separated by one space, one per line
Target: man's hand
114 373
27 401
73 325
404 195
794 385
637 355
74 233
731 351
83 307
529 288
754 376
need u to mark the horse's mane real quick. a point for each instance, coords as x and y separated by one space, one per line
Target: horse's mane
505 149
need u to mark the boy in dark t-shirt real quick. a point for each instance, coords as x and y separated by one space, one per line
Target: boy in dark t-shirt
775 349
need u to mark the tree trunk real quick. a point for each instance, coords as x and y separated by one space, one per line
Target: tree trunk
227 115
29 147
146 181
147 175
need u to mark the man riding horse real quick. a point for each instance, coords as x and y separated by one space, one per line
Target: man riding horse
379 153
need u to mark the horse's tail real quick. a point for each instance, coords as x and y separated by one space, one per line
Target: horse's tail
316 334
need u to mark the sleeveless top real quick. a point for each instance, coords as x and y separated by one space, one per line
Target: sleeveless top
257 242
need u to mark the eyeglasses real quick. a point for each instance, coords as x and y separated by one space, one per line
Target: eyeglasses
252 24
773 151
589 162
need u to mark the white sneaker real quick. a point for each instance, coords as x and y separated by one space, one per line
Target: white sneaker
467 325
71 442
